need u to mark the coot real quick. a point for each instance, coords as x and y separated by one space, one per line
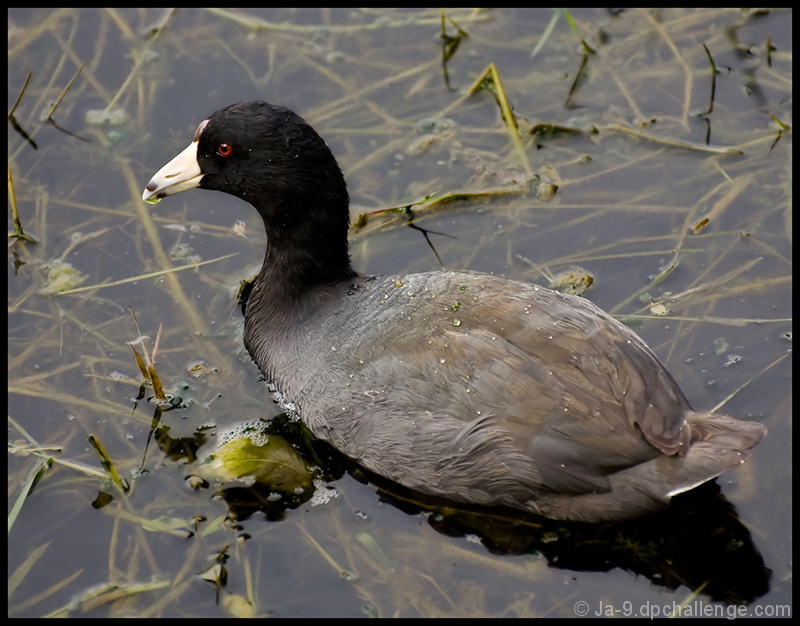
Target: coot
462 385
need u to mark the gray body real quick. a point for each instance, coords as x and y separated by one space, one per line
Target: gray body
484 390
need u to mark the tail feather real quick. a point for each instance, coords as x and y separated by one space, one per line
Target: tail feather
719 443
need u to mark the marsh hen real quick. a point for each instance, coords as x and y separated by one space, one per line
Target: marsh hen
516 396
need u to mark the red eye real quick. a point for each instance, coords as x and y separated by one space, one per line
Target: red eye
224 150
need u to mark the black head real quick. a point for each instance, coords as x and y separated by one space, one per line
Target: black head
264 154
270 157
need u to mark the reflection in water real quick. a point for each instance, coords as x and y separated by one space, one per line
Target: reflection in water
698 541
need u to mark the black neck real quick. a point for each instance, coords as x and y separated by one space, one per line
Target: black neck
304 258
